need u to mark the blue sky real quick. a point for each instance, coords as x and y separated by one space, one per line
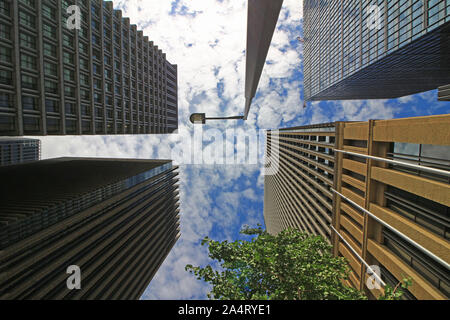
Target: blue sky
207 39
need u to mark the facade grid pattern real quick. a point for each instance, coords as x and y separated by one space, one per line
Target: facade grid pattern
373 49
106 78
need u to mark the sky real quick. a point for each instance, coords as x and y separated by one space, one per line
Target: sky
207 40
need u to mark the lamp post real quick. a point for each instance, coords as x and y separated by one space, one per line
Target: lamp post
200 118
262 20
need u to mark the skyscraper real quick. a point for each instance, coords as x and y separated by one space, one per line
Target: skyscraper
104 78
19 150
304 180
375 49
114 219
379 191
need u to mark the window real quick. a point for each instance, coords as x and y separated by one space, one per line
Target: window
27 20
53 125
97 84
5 77
83 48
84 79
51 105
31 124
70 108
29 82
49 50
69 75
85 110
48 12
69 91
431 270
5 100
49 31
29 103
50 69
27 41
51 87
84 64
5 32
71 126
85 94
5 7
68 41
429 214
5 54
28 61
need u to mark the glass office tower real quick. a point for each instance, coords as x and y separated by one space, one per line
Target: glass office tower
104 78
19 150
375 49
391 212
115 219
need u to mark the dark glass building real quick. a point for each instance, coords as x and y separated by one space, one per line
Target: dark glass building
19 150
104 78
115 219
375 49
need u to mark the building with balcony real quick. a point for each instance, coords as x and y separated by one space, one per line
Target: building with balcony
378 191
375 49
102 79
116 219
19 150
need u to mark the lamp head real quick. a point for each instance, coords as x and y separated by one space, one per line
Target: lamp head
198 118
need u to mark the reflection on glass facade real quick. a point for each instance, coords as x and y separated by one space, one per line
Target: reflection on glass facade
375 48
435 156
18 150
105 78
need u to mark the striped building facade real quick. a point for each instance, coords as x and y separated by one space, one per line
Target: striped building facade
19 150
117 220
104 78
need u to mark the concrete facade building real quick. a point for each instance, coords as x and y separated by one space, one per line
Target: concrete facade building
304 181
115 219
375 49
382 198
19 150
104 78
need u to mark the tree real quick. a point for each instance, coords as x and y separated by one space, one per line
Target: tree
289 266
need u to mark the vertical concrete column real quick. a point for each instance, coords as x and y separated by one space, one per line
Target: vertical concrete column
40 58
337 184
374 194
77 79
102 65
91 66
17 70
60 25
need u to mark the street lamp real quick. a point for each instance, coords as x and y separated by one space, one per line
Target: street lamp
262 20
200 118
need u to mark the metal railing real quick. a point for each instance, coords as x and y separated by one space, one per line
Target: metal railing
395 231
359 257
401 163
